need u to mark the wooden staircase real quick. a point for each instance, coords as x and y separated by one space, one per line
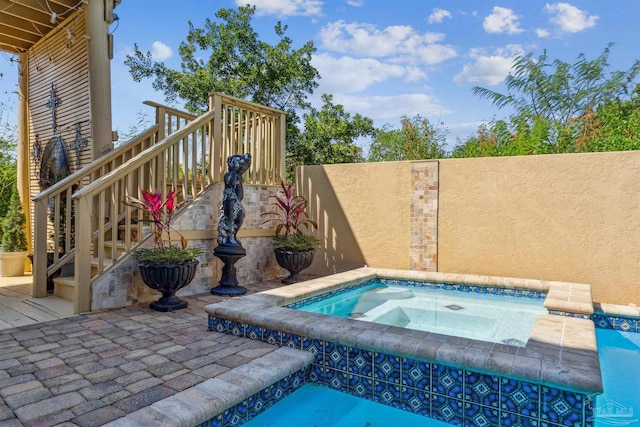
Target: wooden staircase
180 151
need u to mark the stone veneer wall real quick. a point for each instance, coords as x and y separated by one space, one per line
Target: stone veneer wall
423 223
122 286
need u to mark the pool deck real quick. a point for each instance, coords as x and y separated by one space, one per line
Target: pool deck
561 350
91 369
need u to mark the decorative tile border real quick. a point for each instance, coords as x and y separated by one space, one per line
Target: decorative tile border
259 402
423 221
446 393
519 293
568 314
618 323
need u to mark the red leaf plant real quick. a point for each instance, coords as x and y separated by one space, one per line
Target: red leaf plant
291 216
160 213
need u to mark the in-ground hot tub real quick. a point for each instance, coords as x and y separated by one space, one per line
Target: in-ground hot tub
448 378
486 314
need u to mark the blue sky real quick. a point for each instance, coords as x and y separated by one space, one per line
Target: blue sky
385 59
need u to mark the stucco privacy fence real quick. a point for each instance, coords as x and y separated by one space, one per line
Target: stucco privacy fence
565 217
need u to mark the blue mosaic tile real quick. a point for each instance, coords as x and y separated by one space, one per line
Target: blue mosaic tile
447 381
388 394
327 348
265 334
480 416
317 374
285 338
236 415
416 401
416 373
218 324
624 324
514 420
482 389
255 406
337 380
519 397
236 328
212 322
216 421
337 357
361 386
361 362
253 332
386 367
275 338
267 394
314 346
292 340
561 407
602 321
448 410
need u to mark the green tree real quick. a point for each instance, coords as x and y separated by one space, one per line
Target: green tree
557 93
329 136
8 173
13 237
239 64
615 126
417 139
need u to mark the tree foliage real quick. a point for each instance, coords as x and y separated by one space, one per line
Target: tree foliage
560 108
238 64
615 126
329 136
13 237
417 139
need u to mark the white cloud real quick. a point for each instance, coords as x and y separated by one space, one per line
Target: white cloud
542 33
355 3
390 108
285 7
438 15
502 20
350 75
570 19
401 42
486 68
160 51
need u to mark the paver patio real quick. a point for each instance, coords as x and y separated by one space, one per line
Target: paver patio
90 369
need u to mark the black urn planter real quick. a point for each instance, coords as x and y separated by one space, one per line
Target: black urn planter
294 261
168 279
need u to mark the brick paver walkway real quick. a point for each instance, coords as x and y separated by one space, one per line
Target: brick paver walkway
90 369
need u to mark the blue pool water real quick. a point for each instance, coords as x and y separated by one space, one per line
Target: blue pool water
619 353
487 317
312 405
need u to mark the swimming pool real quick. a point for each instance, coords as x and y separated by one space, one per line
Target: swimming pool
313 405
619 403
488 314
448 378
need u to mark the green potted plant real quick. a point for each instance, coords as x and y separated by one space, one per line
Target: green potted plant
165 267
14 240
294 250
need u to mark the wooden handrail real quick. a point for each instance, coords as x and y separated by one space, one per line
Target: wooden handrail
94 167
142 158
181 152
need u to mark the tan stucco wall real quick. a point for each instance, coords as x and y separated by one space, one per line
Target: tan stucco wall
362 212
572 217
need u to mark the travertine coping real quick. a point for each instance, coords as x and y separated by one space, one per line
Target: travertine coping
618 310
204 401
561 350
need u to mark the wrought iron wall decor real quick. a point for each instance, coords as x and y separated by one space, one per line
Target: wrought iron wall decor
52 162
